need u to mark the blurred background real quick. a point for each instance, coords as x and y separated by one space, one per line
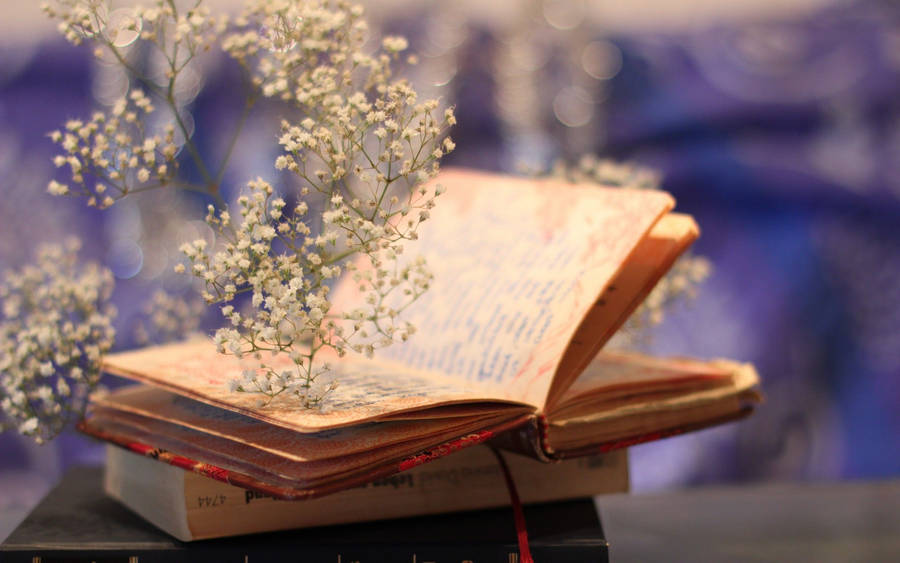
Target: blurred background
776 124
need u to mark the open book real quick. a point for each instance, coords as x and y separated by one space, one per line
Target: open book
532 277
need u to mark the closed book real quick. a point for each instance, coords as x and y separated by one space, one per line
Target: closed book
190 506
77 523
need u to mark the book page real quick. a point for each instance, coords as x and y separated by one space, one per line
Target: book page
739 379
614 379
367 389
517 265
652 415
653 257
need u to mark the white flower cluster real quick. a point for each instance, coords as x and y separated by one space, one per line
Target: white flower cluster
363 148
113 155
190 30
688 272
364 151
115 150
364 135
169 318
681 281
55 326
80 19
273 255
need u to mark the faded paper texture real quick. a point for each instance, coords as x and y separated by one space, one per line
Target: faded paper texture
162 405
367 389
517 264
652 258
613 380
612 369
742 381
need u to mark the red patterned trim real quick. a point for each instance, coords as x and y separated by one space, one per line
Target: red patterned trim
543 427
300 491
444 449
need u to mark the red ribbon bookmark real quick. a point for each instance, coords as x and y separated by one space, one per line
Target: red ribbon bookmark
518 514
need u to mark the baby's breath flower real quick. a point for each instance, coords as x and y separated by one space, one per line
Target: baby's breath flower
394 44
112 151
55 325
363 146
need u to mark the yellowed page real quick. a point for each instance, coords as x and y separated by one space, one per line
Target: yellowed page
742 378
367 390
616 378
690 408
517 265
629 369
653 257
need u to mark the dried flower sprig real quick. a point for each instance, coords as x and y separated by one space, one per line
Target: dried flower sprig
688 272
680 282
117 149
115 153
289 288
55 326
363 151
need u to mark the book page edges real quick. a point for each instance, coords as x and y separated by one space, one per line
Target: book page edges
666 240
703 409
744 382
155 404
299 491
158 496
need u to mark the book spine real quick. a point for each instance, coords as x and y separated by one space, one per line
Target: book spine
527 440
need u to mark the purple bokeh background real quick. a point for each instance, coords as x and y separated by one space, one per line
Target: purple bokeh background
782 138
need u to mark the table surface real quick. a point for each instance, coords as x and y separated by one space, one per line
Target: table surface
853 521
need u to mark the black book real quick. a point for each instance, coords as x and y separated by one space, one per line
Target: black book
76 522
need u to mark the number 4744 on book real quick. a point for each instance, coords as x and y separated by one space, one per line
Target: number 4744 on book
531 279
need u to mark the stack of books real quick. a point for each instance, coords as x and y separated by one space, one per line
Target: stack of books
532 278
78 523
